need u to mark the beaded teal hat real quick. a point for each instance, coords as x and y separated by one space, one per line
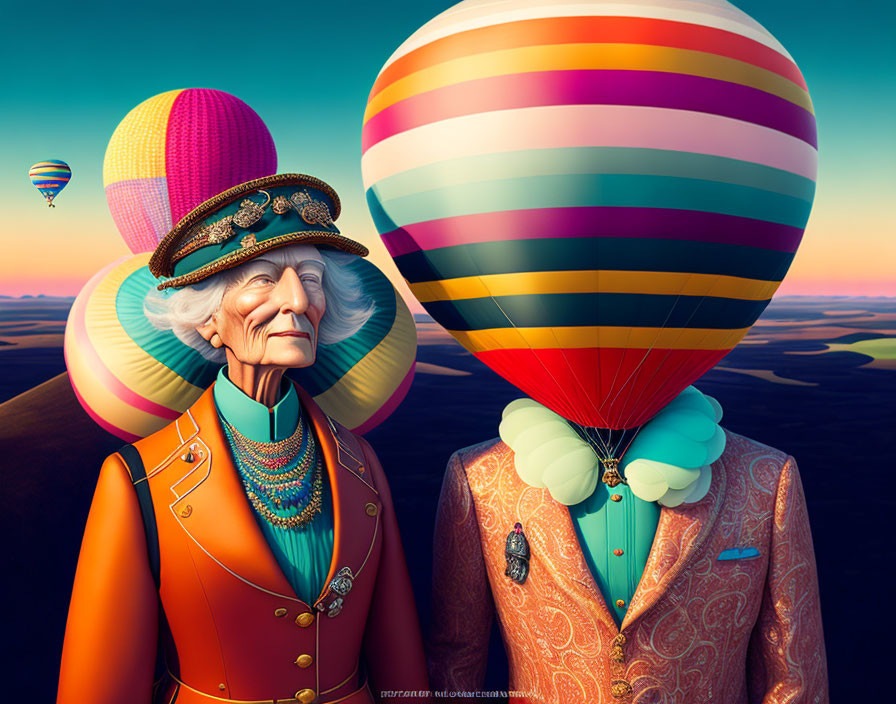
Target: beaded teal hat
241 223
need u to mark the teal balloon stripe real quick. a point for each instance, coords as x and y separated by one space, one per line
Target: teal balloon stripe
162 345
599 253
335 361
593 309
593 161
586 190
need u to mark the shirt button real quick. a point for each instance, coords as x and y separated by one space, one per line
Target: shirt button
304 661
306 696
304 620
620 603
280 613
617 552
616 497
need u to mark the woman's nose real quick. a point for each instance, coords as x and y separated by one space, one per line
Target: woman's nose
290 292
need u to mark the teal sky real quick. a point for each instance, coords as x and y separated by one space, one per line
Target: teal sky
73 70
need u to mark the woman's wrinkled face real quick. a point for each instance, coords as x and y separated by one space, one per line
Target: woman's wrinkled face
271 315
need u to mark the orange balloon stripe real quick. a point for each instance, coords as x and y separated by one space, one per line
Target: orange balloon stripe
598 337
577 57
559 30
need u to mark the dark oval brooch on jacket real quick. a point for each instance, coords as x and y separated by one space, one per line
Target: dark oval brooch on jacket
516 551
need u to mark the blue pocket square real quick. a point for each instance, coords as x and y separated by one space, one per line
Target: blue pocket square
738 554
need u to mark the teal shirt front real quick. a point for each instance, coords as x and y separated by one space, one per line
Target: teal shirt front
602 526
303 555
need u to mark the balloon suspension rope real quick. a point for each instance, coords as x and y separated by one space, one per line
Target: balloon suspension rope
606 444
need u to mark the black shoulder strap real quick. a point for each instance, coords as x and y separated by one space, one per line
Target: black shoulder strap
138 475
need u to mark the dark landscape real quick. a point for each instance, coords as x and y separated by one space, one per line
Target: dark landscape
816 377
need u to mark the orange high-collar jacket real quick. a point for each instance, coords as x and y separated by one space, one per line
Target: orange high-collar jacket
699 630
237 630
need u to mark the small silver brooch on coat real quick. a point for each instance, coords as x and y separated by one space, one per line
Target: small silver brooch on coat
516 552
341 584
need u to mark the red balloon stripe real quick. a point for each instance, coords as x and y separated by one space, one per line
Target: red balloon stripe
602 387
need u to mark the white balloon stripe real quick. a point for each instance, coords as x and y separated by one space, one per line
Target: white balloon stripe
587 126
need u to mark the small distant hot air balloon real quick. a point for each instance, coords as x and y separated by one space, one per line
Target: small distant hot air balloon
597 198
175 151
50 177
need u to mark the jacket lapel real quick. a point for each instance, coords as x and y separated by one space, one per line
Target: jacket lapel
213 489
550 526
356 505
680 533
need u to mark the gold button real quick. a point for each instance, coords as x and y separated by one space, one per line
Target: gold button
371 509
304 661
620 603
616 497
306 696
617 552
280 613
222 686
620 688
304 620
186 511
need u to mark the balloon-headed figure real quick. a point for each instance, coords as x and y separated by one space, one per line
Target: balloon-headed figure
598 199
253 538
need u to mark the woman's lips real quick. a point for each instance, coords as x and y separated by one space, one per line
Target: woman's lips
291 333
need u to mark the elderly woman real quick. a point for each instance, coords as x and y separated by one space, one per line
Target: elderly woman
253 539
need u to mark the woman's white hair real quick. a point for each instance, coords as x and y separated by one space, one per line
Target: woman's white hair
348 307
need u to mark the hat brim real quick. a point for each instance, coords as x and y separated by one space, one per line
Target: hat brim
241 255
134 379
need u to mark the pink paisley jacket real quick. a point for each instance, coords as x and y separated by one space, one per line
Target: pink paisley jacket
699 630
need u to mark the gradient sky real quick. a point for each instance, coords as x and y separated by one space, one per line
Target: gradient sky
73 70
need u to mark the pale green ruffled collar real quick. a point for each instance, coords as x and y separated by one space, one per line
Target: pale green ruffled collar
668 461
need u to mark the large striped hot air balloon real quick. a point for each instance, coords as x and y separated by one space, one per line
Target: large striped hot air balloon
175 151
50 177
596 198
133 379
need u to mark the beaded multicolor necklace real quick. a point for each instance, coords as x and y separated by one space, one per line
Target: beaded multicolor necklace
283 480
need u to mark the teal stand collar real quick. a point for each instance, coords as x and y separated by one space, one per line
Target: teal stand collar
255 420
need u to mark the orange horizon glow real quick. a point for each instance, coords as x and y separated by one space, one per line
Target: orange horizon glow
842 253
71 286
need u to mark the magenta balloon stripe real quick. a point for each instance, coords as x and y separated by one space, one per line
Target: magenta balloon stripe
652 223
213 142
610 87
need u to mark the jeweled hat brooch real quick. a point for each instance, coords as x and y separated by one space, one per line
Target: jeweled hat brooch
241 223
